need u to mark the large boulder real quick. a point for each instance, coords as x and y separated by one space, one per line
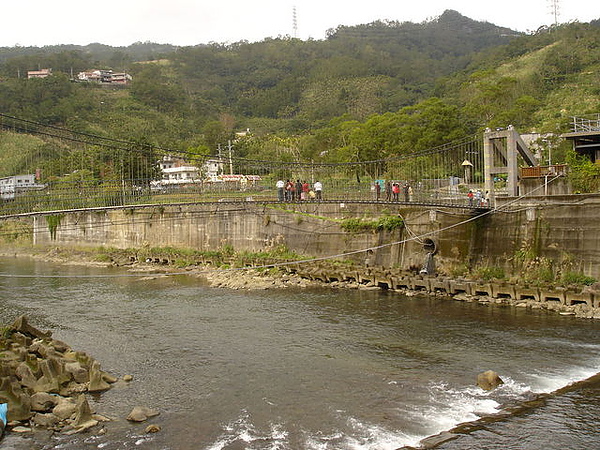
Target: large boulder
489 380
21 325
65 408
141 413
97 383
42 401
48 420
19 402
83 414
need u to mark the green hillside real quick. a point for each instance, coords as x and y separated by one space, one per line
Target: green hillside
367 91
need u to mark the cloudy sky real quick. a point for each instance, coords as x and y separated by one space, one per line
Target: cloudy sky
191 22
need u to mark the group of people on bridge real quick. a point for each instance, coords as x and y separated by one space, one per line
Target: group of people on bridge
290 191
477 199
392 190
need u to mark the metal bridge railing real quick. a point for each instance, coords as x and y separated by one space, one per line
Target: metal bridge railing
75 170
586 124
66 196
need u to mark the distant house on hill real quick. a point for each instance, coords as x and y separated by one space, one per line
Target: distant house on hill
212 168
169 161
104 76
42 73
175 171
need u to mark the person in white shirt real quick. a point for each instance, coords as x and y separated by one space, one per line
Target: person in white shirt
318 187
280 186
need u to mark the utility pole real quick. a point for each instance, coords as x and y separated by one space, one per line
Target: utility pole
220 158
555 10
230 162
295 22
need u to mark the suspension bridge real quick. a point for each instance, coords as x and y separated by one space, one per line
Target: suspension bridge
65 170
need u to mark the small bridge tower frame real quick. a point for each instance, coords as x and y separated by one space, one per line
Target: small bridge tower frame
501 149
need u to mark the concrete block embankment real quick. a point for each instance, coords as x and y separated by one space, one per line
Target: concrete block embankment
581 303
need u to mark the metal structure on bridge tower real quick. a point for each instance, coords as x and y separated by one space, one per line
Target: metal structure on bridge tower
501 151
585 136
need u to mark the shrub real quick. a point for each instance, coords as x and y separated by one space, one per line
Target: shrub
490 272
358 225
576 278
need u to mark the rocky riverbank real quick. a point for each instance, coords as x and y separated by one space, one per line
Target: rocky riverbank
44 381
45 384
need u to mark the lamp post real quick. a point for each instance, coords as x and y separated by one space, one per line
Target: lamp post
467 166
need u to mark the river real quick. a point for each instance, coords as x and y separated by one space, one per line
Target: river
308 369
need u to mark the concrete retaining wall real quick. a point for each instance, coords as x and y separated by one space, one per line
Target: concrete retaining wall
308 229
561 229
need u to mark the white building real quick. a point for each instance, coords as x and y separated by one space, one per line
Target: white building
212 168
181 175
177 176
104 76
11 186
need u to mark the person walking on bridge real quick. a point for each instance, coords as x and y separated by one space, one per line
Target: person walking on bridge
396 191
298 189
318 187
405 192
280 185
388 191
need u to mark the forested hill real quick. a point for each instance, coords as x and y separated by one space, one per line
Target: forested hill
372 90
78 57
360 70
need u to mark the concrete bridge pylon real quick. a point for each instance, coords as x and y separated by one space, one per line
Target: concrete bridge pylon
501 151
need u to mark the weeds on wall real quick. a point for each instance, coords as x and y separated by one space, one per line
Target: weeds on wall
583 173
359 225
539 270
489 273
53 222
224 257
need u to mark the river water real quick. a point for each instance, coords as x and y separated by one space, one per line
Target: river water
309 369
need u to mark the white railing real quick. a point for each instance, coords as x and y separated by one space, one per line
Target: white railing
586 124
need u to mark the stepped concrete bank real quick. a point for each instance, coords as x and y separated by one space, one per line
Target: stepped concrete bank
582 302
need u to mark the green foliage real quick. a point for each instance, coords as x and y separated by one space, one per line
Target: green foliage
459 270
16 232
227 250
490 273
16 152
584 174
576 278
103 257
390 223
542 271
53 222
366 92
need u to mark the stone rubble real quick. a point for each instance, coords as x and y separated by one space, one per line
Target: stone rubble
45 382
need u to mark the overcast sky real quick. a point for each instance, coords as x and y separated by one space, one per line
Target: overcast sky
191 22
